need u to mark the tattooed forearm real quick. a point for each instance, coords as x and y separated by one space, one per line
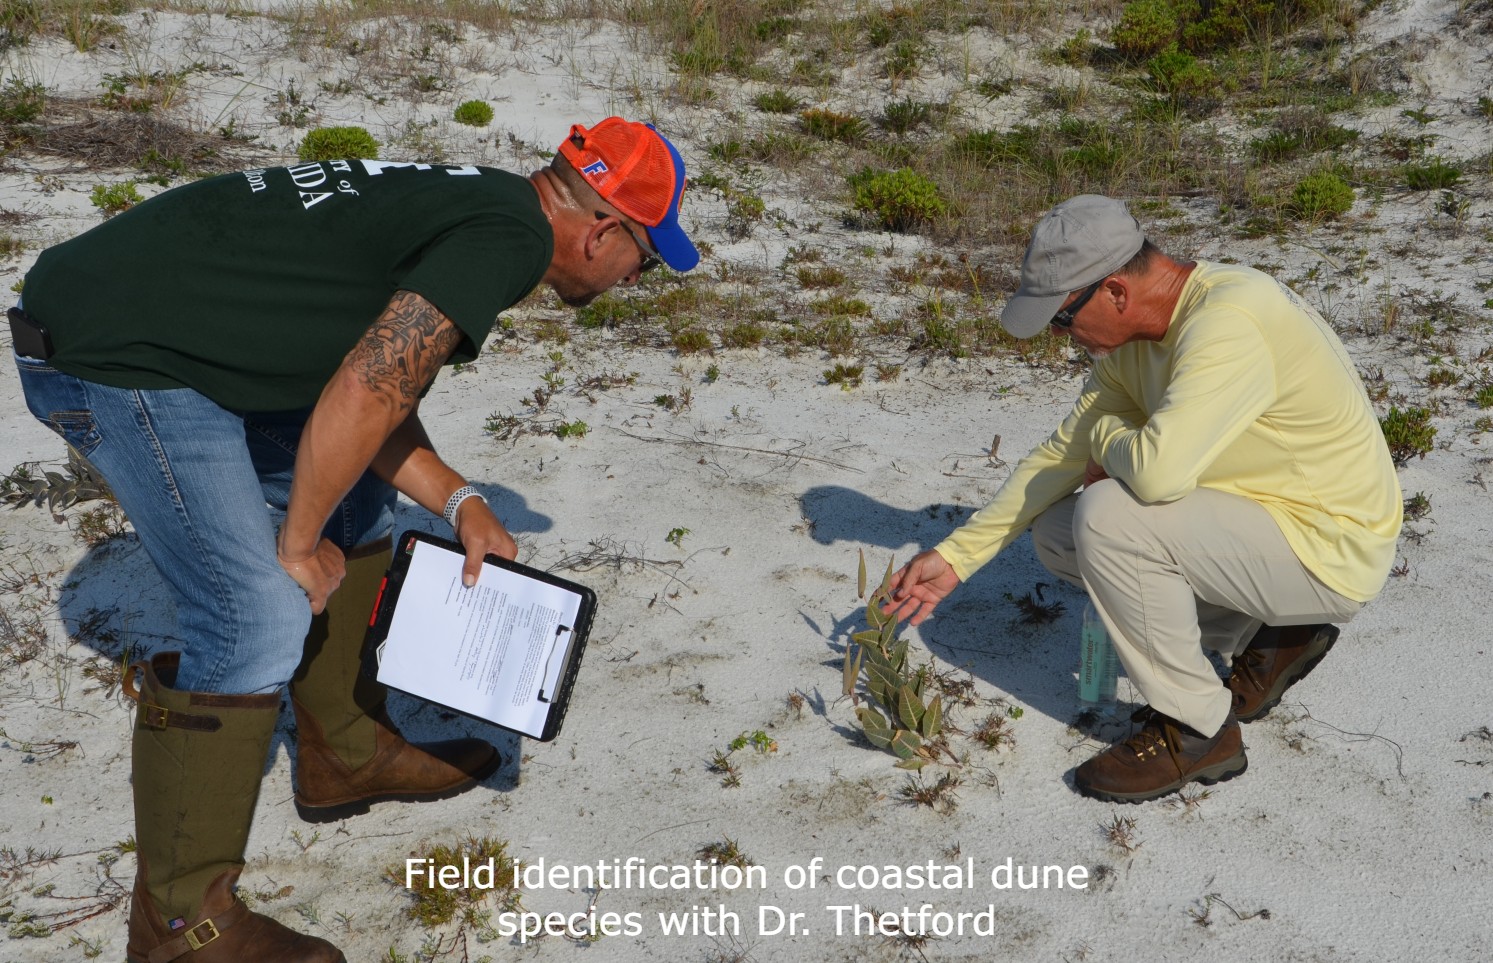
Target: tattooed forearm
404 348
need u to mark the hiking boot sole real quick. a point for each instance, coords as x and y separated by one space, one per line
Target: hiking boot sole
357 807
1320 645
1221 772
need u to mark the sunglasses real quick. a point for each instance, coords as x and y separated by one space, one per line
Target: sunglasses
651 259
1064 318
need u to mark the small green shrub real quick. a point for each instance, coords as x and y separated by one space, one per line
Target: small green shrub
743 334
842 307
820 276
433 905
1302 135
899 200
1321 195
833 125
742 212
727 151
847 376
1417 506
781 148
836 335
338 143
608 311
1439 377
115 198
20 102
1408 433
1146 28
904 116
903 59
1482 395
1021 144
1076 50
571 429
691 340
776 102
898 22
1179 73
1434 175
774 28
474 113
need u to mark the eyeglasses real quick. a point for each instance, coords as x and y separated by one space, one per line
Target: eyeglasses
1064 318
651 259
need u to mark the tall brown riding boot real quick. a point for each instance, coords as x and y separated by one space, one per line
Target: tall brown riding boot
198 757
349 754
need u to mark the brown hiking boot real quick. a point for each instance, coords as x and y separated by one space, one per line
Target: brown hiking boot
1277 658
1160 758
327 788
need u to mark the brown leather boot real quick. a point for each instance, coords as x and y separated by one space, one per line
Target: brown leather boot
349 754
223 931
198 758
1277 658
1160 758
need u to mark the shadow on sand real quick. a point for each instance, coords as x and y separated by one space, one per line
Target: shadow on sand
979 628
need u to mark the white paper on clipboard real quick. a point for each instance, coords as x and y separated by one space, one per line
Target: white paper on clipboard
495 650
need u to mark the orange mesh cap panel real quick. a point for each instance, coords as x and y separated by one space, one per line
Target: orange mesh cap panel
628 165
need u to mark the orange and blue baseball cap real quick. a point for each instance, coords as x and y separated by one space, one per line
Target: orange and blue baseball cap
636 170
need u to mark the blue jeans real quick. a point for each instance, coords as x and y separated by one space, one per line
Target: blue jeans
206 489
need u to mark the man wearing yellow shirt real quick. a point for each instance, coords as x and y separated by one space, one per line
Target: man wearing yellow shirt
1237 493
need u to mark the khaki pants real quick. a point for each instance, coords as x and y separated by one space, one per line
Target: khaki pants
1169 580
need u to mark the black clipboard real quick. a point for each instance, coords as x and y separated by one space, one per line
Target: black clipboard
480 654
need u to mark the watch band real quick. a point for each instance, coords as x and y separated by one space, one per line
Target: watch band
454 502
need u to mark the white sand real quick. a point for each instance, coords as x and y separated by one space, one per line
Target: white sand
1364 824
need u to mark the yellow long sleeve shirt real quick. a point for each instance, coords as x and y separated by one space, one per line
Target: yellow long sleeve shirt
1250 392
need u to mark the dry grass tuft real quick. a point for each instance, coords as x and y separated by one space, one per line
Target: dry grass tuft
138 140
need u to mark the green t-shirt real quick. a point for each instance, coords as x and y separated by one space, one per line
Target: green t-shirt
251 288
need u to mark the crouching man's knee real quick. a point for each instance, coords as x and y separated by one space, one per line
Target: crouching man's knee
1104 514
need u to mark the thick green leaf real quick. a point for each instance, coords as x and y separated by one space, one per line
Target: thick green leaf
860 576
881 681
852 669
916 763
933 718
866 638
878 731
906 744
909 708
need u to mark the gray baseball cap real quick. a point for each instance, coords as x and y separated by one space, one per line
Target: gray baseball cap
1082 240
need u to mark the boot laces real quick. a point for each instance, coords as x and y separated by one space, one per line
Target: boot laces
1152 735
1250 667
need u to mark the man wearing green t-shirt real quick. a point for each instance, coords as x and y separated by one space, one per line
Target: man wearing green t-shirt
243 359
1237 491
